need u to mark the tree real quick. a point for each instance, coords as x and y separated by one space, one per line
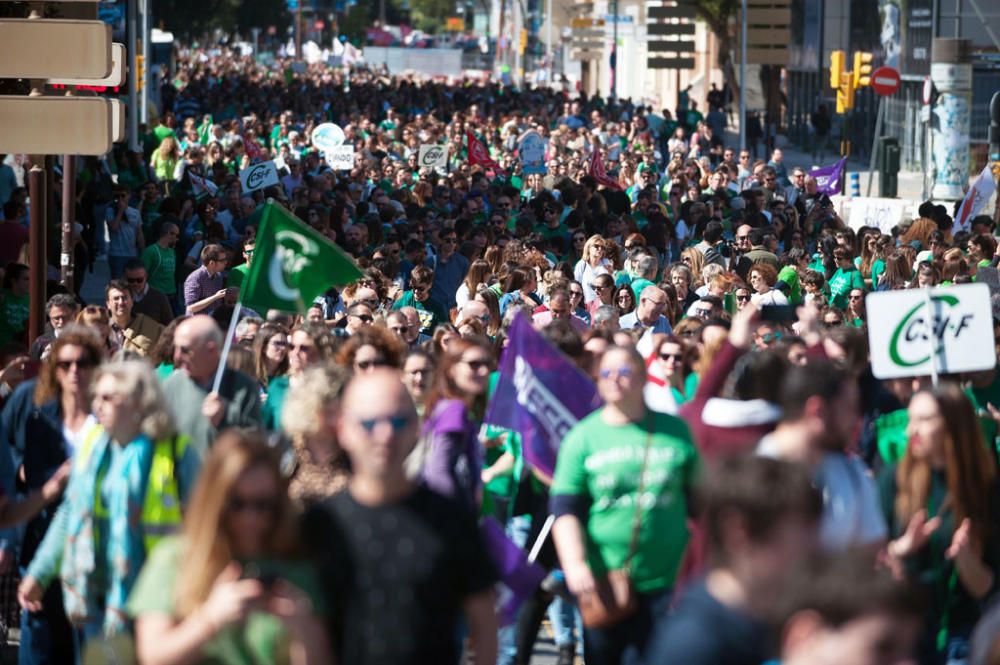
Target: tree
718 14
430 15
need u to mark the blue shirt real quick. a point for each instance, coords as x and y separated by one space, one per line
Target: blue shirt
631 320
448 276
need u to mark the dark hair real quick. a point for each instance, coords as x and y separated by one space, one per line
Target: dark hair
116 285
816 379
134 264
761 492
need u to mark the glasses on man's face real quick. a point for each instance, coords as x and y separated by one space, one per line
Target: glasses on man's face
397 423
366 318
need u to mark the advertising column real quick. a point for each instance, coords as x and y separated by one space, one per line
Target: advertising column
951 73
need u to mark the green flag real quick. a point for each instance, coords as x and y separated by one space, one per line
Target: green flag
292 264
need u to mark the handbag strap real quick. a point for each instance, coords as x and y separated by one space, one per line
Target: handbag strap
637 519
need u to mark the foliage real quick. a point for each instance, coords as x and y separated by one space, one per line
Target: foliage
430 15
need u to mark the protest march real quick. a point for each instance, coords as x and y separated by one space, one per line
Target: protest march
378 369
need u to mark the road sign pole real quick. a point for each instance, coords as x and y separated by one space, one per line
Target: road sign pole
132 43
875 145
68 217
931 339
36 251
743 78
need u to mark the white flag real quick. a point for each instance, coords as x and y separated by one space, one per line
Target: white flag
974 200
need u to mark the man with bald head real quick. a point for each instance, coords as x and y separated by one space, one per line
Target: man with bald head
198 412
398 561
649 312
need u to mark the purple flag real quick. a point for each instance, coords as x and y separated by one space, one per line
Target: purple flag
540 394
518 577
830 179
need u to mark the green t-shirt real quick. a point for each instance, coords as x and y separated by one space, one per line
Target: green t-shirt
602 463
841 284
430 313
789 276
262 638
237 274
14 312
161 264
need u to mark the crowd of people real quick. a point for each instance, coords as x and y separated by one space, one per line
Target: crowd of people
748 490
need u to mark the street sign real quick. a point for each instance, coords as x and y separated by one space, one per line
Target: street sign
885 81
113 80
915 333
56 125
587 23
50 48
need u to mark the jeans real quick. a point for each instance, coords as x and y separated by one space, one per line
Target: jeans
566 622
46 636
625 643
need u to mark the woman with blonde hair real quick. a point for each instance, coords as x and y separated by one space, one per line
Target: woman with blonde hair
165 158
319 467
233 587
695 260
478 274
595 262
130 478
98 319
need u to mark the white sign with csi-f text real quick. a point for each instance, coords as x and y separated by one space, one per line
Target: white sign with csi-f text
259 176
434 157
918 332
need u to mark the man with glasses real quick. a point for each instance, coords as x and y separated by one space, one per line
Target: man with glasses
160 260
237 274
133 332
552 225
199 413
203 288
430 311
60 310
449 269
649 312
359 315
387 521
146 300
125 239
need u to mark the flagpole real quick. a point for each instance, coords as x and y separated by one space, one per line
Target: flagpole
226 346
542 535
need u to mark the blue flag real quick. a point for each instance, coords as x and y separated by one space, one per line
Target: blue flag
540 394
518 577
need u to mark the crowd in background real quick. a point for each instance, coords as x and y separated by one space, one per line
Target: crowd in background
770 498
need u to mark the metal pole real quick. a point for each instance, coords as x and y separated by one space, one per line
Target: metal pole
68 217
929 331
614 52
743 78
548 41
132 38
36 251
144 102
875 145
298 26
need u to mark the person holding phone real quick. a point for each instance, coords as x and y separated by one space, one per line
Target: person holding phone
233 587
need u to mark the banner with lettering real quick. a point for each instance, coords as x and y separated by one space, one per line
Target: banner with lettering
541 394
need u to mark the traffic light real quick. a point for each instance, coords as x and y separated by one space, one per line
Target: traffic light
140 71
862 69
845 95
837 61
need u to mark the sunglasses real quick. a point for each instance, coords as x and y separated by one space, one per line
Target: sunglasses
599 287
744 298
367 318
397 422
621 372
578 294
476 365
82 363
676 357
368 364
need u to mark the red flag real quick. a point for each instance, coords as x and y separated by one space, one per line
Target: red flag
253 150
478 154
598 173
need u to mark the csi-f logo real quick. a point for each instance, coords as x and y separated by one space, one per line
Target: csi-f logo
293 253
257 176
432 156
909 345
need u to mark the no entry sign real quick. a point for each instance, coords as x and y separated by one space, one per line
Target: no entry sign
885 81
